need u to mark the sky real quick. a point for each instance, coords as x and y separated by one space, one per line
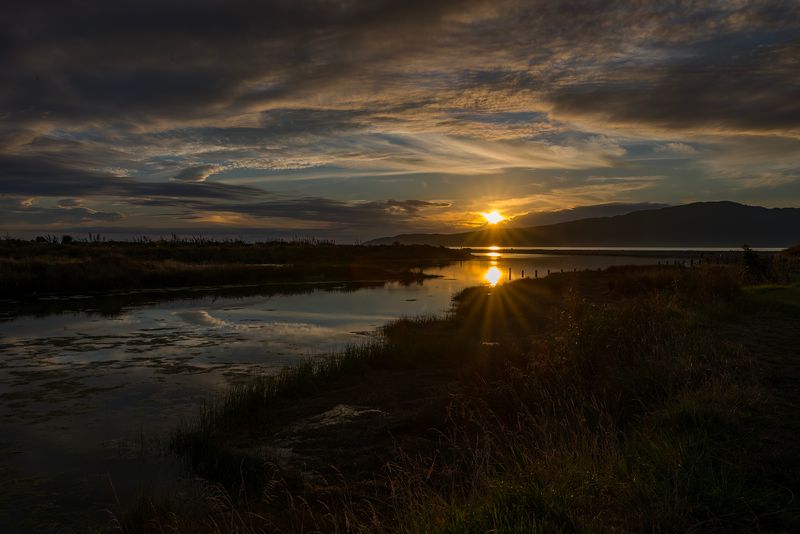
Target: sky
355 119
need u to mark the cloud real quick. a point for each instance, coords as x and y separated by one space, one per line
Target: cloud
433 152
256 93
14 213
752 162
623 179
197 173
756 92
409 207
309 209
69 202
676 148
227 60
41 177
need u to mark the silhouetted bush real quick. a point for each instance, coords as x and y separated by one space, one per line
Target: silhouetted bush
755 267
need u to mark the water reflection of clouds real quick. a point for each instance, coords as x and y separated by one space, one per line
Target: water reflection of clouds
338 317
268 339
202 318
298 329
301 339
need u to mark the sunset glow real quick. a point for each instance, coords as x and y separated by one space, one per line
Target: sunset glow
493 217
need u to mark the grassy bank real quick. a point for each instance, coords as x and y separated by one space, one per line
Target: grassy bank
34 268
633 399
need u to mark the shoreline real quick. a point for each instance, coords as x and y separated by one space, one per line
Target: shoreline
30 269
728 255
383 404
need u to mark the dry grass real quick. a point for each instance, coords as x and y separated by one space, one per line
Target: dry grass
585 402
30 268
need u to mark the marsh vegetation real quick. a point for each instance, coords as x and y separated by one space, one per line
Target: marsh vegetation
633 399
53 266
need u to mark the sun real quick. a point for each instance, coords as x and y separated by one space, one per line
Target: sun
493 217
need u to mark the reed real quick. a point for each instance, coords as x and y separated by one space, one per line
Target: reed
616 400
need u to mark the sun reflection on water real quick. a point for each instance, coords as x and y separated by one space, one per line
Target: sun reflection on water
493 276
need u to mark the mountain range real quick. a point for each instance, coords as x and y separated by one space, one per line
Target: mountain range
699 224
541 218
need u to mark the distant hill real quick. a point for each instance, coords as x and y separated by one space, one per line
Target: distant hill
701 224
540 218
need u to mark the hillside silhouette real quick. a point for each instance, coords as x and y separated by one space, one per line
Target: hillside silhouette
700 224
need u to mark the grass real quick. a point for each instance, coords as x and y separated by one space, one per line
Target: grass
35 268
787 297
633 399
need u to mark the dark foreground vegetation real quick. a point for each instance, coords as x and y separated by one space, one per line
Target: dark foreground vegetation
68 266
634 399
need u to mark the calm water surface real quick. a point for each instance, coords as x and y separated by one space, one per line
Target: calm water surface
90 388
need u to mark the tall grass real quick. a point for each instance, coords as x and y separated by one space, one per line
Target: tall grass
247 408
605 424
585 402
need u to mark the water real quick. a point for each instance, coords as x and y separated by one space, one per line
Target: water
91 386
631 249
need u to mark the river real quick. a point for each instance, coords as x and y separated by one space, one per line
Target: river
90 387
